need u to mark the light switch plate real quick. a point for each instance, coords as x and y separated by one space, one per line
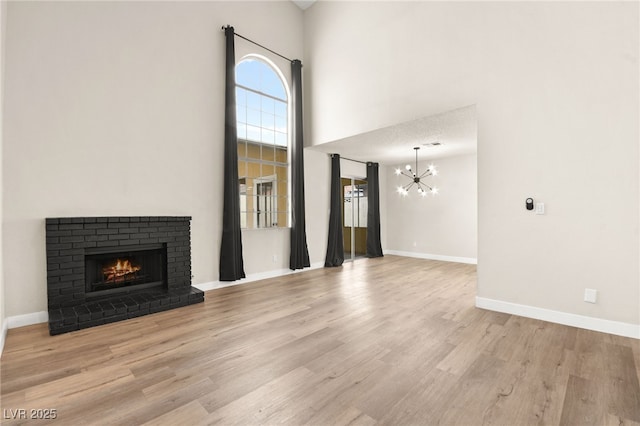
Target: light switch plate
539 208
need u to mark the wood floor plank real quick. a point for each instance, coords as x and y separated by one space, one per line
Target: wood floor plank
426 403
268 402
622 388
582 403
612 420
389 341
189 414
478 389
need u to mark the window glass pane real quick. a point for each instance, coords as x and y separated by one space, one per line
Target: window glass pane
268 105
253 151
281 173
249 191
282 194
253 100
247 73
348 203
241 114
271 154
363 206
242 169
282 199
281 139
241 130
241 96
253 169
268 170
242 149
253 133
268 121
281 124
272 85
249 220
281 109
268 137
282 219
281 155
253 117
243 203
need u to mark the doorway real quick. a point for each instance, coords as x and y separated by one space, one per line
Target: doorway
354 217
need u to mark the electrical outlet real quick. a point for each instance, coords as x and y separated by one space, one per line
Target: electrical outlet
590 295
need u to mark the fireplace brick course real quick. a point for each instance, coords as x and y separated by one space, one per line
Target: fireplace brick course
66 240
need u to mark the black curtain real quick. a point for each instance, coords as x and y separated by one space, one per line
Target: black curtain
335 244
374 246
231 263
299 257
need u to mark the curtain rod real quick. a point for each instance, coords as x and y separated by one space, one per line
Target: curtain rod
349 159
258 44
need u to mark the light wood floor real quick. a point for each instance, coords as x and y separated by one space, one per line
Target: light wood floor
381 341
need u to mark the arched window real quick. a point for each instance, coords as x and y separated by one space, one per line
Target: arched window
263 162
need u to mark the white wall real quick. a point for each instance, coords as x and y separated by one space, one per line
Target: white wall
556 89
444 225
117 108
3 16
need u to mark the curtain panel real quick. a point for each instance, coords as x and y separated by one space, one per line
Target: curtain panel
374 245
299 257
231 262
335 243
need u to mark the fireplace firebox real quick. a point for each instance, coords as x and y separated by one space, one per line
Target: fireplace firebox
107 269
124 269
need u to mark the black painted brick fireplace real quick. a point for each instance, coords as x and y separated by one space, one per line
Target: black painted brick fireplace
71 241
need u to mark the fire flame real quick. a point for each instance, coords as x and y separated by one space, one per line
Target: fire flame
120 270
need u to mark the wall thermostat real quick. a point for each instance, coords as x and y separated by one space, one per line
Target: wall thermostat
529 203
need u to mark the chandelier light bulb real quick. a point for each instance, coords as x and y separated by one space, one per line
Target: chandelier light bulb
434 191
408 167
423 193
398 171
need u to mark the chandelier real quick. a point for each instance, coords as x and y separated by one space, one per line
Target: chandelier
413 174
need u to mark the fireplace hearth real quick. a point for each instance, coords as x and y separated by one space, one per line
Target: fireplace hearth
106 269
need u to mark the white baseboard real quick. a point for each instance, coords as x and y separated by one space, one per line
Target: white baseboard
589 323
21 321
469 260
212 285
27 319
3 335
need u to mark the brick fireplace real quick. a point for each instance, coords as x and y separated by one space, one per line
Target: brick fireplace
107 269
